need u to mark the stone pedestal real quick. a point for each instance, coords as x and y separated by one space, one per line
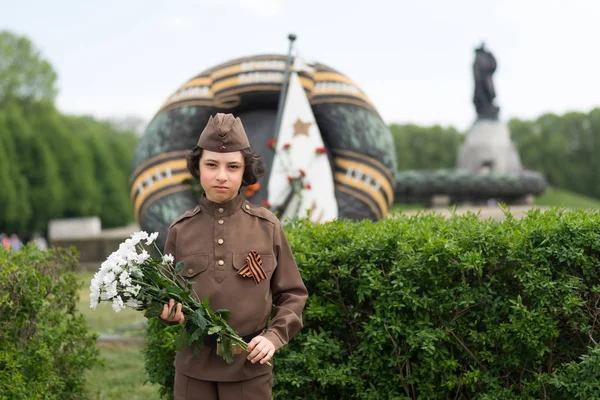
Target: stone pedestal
488 147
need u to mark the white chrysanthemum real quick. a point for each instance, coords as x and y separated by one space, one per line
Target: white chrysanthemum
125 278
138 236
125 250
117 269
168 259
117 304
94 293
109 277
99 277
111 290
133 289
132 303
119 259
151 238
142 257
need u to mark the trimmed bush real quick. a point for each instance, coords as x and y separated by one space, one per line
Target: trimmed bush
45 345
428 307
159 355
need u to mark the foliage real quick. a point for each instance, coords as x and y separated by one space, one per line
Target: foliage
431 147
24 74
52 165
431 308
564 148
444 308
159 354
44 343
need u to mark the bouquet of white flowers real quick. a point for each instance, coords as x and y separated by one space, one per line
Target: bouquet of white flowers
131 278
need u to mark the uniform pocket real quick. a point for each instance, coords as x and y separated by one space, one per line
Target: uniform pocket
239 260
193 265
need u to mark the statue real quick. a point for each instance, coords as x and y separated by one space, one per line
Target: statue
483 68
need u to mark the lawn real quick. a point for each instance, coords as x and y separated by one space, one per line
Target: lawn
550 198
557 197
122 375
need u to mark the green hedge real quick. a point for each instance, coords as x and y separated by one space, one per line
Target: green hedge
430 307
45 345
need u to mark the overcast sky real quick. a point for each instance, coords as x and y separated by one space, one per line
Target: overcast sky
412 58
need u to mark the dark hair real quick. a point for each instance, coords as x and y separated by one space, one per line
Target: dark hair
254 168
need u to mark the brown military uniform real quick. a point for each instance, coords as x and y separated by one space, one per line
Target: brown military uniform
213 241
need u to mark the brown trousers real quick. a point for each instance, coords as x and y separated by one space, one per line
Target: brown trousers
259 388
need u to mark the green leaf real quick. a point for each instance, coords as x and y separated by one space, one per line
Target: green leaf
154 310
182 340
215 329
198 334
226 352
179 267
223 313
199 319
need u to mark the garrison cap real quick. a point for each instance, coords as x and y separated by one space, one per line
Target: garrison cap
223 133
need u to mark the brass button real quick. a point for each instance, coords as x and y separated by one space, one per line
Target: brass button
220 222
247 207
220 241
190 271
221 262
221 211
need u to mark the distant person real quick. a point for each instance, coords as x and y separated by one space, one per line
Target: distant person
5 241
15 242
39 241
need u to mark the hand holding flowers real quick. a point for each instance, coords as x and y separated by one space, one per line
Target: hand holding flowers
131 278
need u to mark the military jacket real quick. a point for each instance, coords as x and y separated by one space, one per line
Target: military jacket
212 241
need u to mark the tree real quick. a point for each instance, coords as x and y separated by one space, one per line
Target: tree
38 166
74 162
14 196
420 147
24 74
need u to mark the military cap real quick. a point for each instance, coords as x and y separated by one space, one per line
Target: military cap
224 133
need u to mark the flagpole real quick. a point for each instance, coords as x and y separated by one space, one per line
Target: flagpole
286 76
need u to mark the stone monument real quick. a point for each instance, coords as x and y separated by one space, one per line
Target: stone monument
487 146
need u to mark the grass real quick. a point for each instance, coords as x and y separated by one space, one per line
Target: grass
558 197
121 375
550 198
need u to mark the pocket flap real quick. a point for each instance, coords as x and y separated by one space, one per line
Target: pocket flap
239 260
193 265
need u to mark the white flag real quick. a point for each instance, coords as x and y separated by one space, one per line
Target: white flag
300 160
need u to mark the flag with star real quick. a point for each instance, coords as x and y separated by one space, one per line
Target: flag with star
300 165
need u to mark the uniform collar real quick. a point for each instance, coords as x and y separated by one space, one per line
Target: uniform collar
221 209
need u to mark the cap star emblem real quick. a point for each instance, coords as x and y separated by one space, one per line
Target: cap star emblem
301 128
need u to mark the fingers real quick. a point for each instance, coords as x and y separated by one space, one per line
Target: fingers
262 350
179 317
268 357
170 314
253 343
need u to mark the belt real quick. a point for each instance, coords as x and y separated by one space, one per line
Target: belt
211 340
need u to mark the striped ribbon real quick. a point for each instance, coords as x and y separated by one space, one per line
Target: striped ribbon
253 267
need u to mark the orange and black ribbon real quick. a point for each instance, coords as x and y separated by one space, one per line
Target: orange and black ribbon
253 267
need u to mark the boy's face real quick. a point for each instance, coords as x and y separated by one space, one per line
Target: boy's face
221 174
